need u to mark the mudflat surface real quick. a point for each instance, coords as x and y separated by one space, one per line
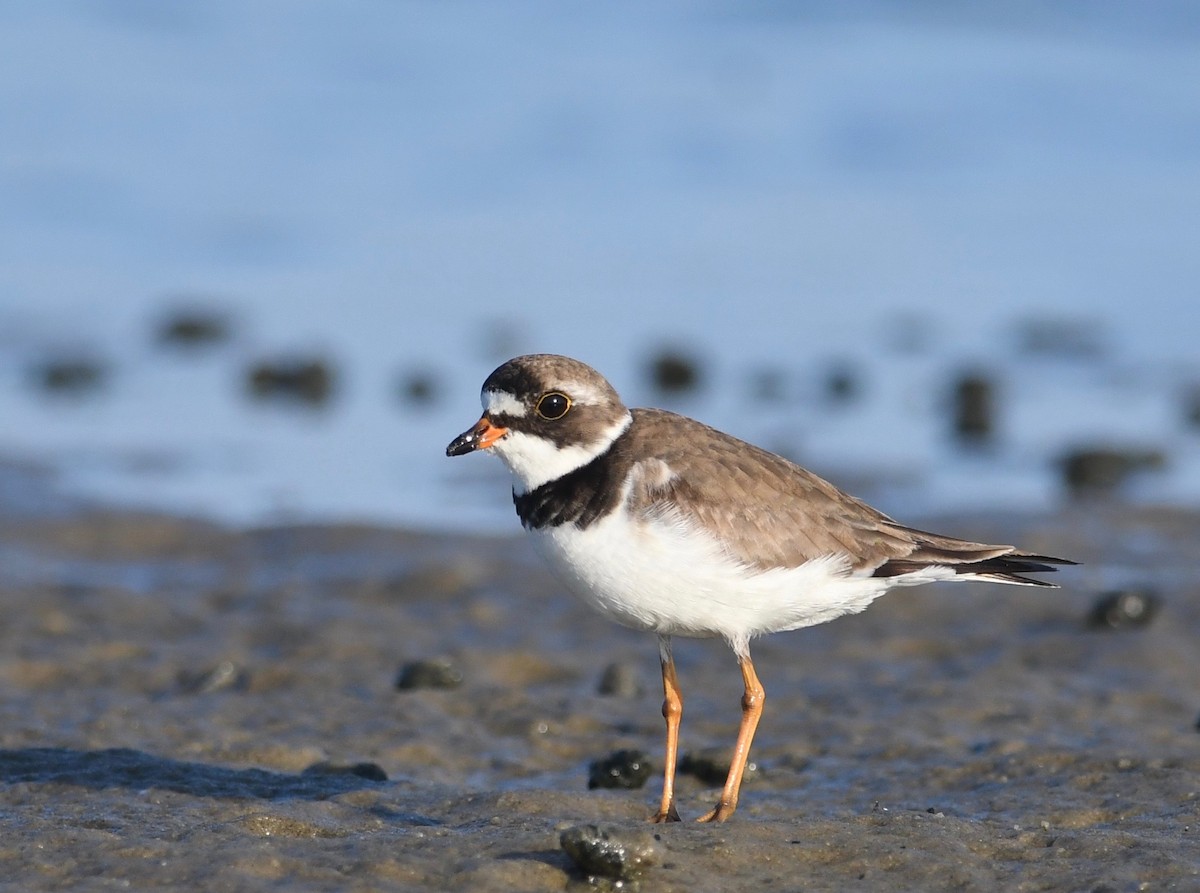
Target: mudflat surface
188 707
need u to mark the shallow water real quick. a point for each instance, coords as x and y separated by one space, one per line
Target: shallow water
416 190
160 705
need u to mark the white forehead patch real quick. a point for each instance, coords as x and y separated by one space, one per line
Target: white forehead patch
501 403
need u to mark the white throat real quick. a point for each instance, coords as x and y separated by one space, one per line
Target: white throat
534 461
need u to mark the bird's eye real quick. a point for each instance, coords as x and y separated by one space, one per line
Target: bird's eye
553 406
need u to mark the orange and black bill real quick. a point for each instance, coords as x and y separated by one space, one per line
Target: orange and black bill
479 437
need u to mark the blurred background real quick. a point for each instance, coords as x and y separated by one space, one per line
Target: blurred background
256 259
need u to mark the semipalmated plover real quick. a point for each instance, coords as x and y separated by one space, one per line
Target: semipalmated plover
665 524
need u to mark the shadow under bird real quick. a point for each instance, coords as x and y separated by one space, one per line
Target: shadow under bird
664 524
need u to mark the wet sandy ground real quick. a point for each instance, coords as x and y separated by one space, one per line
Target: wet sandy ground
188 707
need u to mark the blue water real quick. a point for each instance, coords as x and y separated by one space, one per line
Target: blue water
776 189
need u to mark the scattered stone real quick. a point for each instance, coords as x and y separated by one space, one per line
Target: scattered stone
1102 470
974 408
369 771
1191 407
438 672
193 328
843 384
225 676
306 380
674 373
418 388
711 766
611 852
75 376
1124 609
619 681
625 769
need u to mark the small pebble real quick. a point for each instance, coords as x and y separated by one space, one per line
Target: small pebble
974 408
674 373
369 771
843 384
69 375
302 379
193 328
612 852
434 673
711 766
418 388
1124 609
1191 407
619 681
625 769
1099 470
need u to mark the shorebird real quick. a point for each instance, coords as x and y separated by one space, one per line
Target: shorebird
664 524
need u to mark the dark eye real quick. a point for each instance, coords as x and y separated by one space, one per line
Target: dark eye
553 406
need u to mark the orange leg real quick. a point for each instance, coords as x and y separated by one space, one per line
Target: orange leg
672 710
752 705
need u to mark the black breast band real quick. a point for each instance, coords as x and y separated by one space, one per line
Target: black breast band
580 497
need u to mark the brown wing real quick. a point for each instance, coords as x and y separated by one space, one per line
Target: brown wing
772 513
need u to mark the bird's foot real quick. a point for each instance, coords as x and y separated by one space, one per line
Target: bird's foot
668 814
719 813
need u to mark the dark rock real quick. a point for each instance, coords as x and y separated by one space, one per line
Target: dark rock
225 676
620 681
711 766
843 383
974 408
418 388
192 328
674 373
70 375
301 379
627 769
611 852
1124 609
435 673
1191 407
1101 470
369 771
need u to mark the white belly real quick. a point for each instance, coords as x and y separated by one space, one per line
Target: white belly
676 580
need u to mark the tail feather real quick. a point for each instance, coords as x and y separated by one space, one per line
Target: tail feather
1003 568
